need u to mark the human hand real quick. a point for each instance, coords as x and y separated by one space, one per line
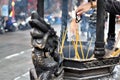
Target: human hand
83 8
73 26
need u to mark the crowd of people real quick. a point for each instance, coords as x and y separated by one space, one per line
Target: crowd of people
13 14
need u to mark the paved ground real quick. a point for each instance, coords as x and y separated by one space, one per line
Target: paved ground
15 56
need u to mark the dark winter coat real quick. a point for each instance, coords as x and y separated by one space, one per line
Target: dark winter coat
112 6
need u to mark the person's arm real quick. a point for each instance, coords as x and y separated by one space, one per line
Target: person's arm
112 6
85 7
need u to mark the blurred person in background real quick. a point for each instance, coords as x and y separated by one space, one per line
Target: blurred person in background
84 18
91 33
4 11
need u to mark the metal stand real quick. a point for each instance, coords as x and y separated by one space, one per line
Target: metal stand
40 8
99 50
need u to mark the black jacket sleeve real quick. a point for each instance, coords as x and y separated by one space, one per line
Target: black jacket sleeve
112 6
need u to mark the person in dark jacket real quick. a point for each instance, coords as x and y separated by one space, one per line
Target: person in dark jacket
111 6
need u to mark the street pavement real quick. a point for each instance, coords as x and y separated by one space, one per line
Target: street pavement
15 55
